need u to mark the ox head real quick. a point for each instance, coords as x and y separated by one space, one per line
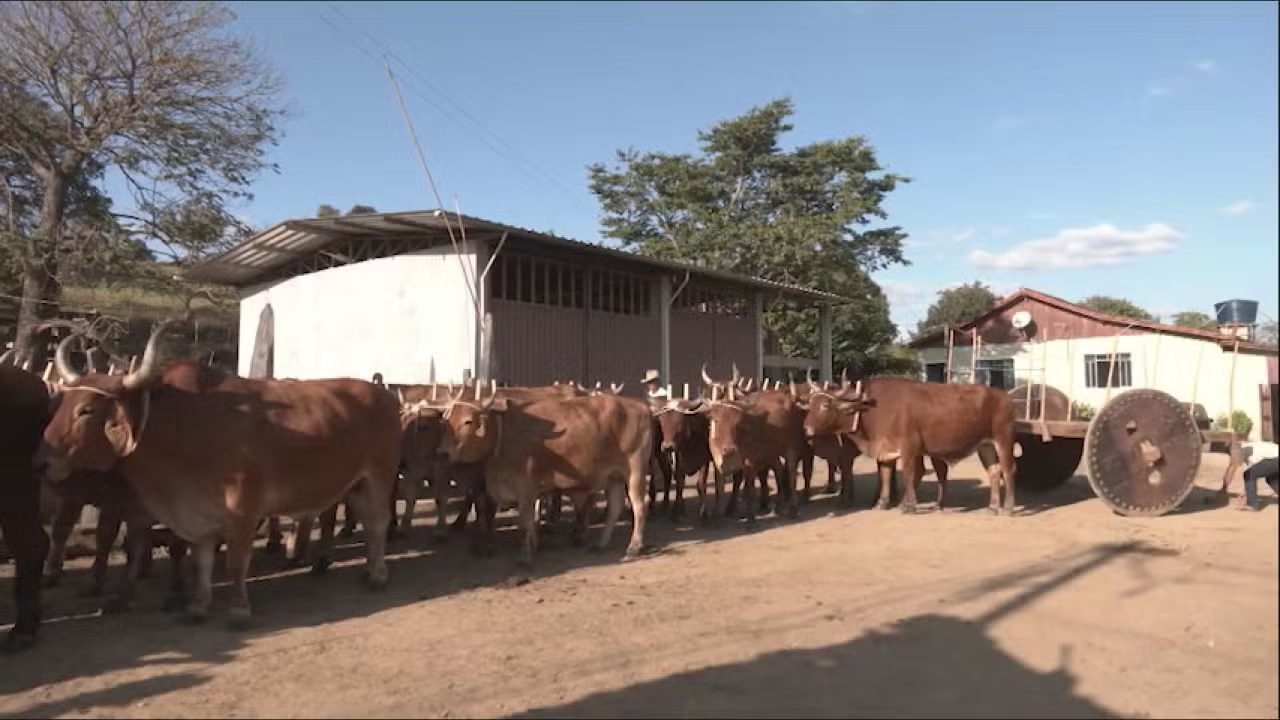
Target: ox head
729 421
472 428
837 412
680 421
97 419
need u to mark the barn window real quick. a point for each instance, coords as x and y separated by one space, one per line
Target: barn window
997 373
1098 367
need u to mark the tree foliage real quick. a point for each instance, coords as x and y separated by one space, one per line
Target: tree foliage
326 211
956 306
1115 306
362 210
1268 333
746 205
1193 319
158 92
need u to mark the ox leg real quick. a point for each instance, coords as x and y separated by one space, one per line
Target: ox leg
239 552
348 521
912 467
323 555
275 537
110 518
204 552
527 509
788 479
64 522
615 496
20 524
300 541
375 517
845 466
177 595
749 478
486 514
138 540
409 486
704 513
1008 472
885 472
987 455
732 508
635 489
940 470
440 497
583 504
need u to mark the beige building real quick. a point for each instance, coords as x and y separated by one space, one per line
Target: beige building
1031 337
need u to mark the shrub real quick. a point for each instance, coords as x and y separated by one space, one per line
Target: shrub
1240 423
1082 411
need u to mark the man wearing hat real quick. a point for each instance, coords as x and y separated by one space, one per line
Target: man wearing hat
650 382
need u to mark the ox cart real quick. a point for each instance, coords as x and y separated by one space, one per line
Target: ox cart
1141 450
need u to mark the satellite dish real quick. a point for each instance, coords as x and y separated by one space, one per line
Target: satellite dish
1021 319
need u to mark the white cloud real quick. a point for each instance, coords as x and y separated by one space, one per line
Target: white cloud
1094 246
1159 90
1239 207
1207 67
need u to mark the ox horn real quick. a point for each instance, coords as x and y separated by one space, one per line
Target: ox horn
736 375
617 389
686 391
493 388
400 394
751 383
63 362
149 367
7 357
433 392
705 377
48 372
791 382
844 377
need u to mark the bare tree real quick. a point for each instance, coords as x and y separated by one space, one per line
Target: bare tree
160 92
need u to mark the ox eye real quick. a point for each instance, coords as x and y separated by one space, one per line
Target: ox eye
84 410
468 421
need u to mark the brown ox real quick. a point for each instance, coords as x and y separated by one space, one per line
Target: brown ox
24 408
683 434
210 455
754 435
902 421
578 446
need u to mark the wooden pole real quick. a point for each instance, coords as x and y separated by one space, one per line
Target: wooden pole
1044 372
1195 380
951 337
1154 381
1111 367
1231 387
973 361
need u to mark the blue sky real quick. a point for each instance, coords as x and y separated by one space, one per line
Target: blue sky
1076 148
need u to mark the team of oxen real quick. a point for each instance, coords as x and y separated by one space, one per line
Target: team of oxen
212 457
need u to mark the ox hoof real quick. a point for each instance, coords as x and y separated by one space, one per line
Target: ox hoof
116 605
636 552
347 531
832 489
907 509
793 512
993 509
16 642
239 619
274 547
375 583
320 566
882 505
173 602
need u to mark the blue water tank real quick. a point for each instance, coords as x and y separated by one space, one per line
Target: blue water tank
1236 312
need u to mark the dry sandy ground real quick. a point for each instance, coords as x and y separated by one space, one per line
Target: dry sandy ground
1066 610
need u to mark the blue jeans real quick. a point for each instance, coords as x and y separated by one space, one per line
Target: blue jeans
1268 470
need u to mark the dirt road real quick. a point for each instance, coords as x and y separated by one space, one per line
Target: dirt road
1067 610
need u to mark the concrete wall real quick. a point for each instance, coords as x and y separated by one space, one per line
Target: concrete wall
1163 362
401 316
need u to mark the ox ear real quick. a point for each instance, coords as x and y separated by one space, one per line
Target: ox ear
498 404
119 430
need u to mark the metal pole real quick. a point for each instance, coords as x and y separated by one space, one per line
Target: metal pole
951 338
1044 374
824 341
1111 367
973 361
1231 387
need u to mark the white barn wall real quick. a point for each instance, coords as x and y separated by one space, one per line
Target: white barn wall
399 316
1164 362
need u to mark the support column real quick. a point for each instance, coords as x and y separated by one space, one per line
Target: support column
664 328
484 369
824 343
758 310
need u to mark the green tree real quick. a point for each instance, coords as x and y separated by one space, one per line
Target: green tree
1268 333
956 306
158 92
362 210
1116 306
744 204
1193 319
326 211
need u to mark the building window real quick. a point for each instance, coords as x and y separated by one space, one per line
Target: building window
997 373
539 281
935 372
1098 367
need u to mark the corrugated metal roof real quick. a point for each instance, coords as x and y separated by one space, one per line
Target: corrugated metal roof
258 256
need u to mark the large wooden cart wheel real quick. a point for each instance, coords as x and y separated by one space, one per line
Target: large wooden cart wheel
1142 453
1044 466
